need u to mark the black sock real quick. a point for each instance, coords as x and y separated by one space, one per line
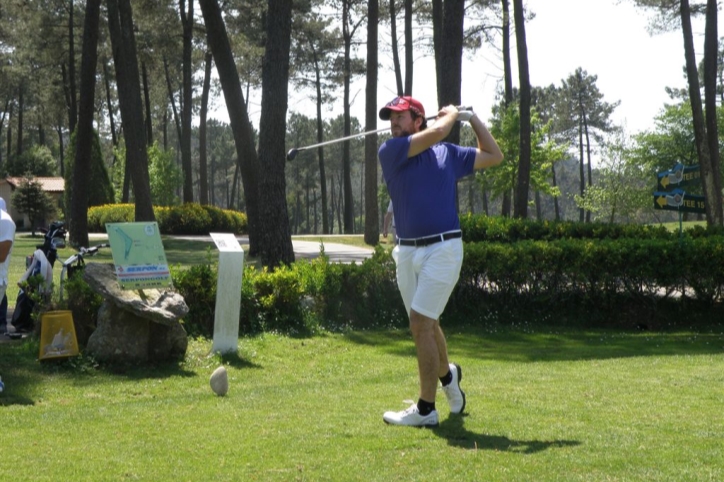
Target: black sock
447 379
425 407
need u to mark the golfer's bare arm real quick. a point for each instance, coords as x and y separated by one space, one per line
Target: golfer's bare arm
435 133
5 250
488 154
388 218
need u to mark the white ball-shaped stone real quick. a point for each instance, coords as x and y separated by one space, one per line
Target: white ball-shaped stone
219 381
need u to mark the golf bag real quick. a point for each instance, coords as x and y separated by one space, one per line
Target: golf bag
40 262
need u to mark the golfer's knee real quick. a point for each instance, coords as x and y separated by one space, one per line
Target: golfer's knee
421 325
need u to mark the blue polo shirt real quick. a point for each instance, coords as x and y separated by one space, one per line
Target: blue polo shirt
422 187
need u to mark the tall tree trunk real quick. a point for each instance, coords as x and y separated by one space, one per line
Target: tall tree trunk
41 133
372 214
581 213
147 104
9 136
111 119
437 32
72 90
212 181
203 176
172 99
2 123
277 246
320 137
21 109
520 205
588 158
61 149
346 161
187 21
507 66
409 51
123 41
165 129
84 130
395 49
452 59
702 147
556 207
508 82
247 161
711 57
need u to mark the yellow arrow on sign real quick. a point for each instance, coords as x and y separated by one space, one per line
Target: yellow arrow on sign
665 181
661 201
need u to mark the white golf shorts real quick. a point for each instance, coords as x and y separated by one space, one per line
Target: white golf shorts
427 275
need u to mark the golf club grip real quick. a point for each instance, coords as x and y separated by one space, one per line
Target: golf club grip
458 107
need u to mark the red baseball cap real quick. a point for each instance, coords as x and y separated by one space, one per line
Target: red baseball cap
401 104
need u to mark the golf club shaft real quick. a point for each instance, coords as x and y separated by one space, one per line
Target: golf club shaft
293 152
342 139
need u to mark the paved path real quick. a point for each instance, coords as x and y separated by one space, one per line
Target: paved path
308 249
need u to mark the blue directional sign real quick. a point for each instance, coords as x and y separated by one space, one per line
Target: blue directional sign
679 176
679 200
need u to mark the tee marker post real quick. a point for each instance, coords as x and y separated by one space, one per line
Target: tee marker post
228 293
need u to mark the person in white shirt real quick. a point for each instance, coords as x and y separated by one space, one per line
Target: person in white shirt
7 237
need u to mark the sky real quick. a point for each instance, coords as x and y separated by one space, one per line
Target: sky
606 38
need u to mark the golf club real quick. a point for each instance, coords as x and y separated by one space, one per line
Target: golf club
295 150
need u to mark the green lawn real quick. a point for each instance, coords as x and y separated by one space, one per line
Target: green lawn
544 404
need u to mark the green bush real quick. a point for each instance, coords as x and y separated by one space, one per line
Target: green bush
198 287
84 303
189 218
510 230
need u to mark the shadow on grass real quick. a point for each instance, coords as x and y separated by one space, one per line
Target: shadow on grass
453 430
546 343
23 374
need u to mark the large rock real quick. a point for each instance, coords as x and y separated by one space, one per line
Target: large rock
135 326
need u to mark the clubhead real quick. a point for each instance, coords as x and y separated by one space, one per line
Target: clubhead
292 154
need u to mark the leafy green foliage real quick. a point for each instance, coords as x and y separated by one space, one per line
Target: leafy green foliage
507 230
189 218
84 303
544 152
99 188
31 199
198 287
37 161
164 175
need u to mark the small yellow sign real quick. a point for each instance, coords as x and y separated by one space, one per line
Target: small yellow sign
57 335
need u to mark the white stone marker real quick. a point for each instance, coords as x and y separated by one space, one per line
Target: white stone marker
228 293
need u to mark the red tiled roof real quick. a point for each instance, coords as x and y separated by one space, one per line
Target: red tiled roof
50 184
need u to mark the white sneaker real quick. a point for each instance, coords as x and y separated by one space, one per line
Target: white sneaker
411 418
455 396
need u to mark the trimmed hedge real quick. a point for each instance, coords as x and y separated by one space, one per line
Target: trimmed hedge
301 299
510 230
189 218
623 282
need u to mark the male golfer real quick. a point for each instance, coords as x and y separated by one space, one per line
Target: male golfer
421 174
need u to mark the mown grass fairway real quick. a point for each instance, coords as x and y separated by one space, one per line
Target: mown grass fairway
544 404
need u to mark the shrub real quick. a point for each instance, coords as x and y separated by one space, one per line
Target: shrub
198 287
188 218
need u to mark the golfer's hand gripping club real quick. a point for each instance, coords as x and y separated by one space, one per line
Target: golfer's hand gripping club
465 115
